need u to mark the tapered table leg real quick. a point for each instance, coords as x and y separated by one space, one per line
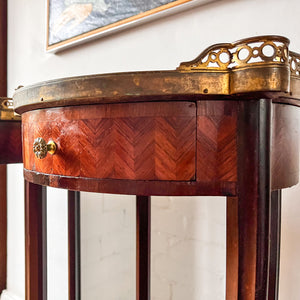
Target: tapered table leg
275 232
143 242
74 244
232 253
35 242
254 199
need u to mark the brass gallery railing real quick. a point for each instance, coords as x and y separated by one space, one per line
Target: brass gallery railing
257 64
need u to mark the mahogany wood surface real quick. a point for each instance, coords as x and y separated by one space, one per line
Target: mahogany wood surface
254 193
216 141
232 249
136 145
143 247
142 141
3 227
10 142
232 253
10 146
35 242
134 187
74 245
285 146
242 148
275 232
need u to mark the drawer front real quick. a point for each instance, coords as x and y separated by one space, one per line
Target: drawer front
136 141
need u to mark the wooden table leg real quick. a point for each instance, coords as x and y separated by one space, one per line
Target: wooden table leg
232 254
35 242
3 227
274 245
74 244
143 251
233 251
254 199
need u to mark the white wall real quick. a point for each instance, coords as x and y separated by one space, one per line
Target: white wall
178 246
107 246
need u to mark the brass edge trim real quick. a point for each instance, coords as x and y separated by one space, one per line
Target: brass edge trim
250 52
7 110
256 64
294 61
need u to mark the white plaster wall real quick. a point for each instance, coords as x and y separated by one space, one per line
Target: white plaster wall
15 228
57 244
188 255
107 246
188 248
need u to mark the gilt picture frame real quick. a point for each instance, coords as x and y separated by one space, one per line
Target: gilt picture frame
71 22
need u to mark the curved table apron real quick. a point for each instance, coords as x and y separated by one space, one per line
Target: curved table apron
230 129
155 148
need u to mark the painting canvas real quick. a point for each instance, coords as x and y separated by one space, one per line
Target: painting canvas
74 21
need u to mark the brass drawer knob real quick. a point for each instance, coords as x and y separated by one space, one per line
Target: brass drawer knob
40 148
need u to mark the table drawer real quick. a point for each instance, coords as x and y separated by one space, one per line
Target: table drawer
136 141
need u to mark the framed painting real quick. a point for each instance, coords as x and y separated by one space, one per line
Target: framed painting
71 22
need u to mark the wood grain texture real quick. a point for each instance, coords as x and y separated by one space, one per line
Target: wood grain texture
10 142
216 141
254 191
74 261
143 141
275 240
285 146
232 249
35 242
134 187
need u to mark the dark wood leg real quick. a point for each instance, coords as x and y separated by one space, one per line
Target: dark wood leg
3 228
35 242
232 249
275 245
143 241
74 244
253 199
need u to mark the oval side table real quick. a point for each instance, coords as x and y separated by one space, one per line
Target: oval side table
224 124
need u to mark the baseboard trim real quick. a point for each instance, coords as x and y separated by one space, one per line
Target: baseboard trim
6 295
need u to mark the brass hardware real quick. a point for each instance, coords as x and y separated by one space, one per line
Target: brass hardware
260 63
40 148
256 64
294 64
7 110
250 52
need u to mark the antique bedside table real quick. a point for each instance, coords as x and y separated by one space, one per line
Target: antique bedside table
226 123
10 152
